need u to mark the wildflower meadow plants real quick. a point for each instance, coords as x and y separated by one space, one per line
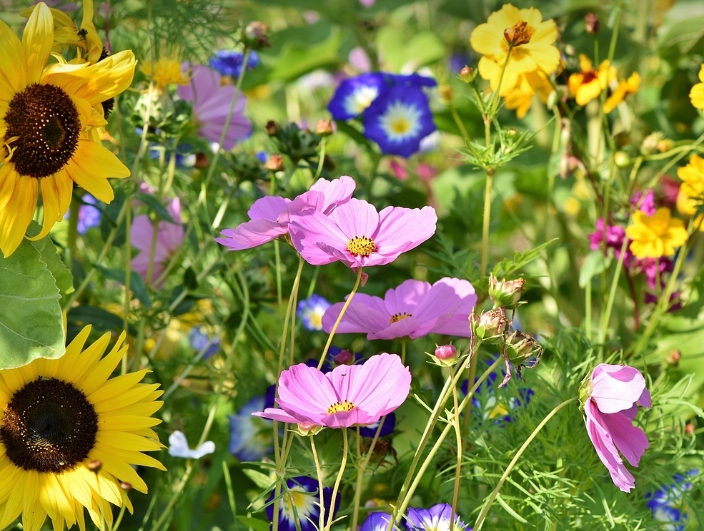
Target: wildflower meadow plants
330 266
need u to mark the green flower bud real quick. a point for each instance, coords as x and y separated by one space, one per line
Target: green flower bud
489 325
506 293
521 346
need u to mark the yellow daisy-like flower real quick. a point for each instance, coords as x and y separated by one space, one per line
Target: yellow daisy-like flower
657 235
691 193
588 84
522 37
625 88
521 97
47 124
69 436
166 70
697 92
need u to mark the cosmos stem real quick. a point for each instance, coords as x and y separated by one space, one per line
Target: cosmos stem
362 469
338 480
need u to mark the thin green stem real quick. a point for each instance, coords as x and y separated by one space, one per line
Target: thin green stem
495 493
319 473
606 316
485 224
458 463
338 479
321 160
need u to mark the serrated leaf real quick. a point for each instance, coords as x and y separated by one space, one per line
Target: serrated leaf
136 283
263 481
31 323
508 266
595 263
156 206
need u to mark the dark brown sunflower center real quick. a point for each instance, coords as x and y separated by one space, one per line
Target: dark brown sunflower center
48 426
47 126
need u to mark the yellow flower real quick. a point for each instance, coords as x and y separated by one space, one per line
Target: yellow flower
697 92
69 436
47 124
588 84
657 235
521 96
691 193
166 70
625 87
532 45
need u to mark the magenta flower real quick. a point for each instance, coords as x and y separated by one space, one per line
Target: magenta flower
346 396
610 397
169 237
413 309
270 215
359 236
211 105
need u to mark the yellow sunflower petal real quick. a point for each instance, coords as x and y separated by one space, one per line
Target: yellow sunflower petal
17 215
90 167
129 397
52 206
13 67
38 39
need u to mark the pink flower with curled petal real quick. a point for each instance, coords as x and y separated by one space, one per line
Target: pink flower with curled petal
609 399
211 106
349 395
270 215
359 236
414 309
169 237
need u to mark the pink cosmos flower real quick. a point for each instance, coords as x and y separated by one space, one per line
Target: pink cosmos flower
413 309
169 237
611 397
211 105
359 236
270 215
344 397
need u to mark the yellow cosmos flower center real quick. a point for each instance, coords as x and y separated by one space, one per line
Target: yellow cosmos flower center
361 246
48 426
395 318
43 127
339 407
519 34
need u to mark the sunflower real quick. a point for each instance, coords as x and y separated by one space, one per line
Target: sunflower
48 118
69 435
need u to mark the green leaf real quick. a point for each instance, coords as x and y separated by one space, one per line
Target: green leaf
61 273
253 523
31 324
297 59
683 30
263 481
158 208
423 48
136 283
102 320
506 266
595 263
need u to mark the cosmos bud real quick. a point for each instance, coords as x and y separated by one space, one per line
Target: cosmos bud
308 428
256 35
467 74
506 293
344 357
489 325
446 355
521 346
271 128
275 162
323 128
591 23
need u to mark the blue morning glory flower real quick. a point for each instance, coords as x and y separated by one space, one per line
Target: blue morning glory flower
386 429
311 310
251 437
229 62
437 518
377 521
88 216
198 339
399 119
302 493
355 94
666 503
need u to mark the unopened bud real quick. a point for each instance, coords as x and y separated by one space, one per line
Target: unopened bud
271 128
344 357
506 293
512 133
689 428
202 161
521 346
650 143
518 34
308 428
673 360
621 159
446 92
591 23
95 465
125 485
323 128
570 50
467 74
275 162
489 325
446 354
664 145
256 35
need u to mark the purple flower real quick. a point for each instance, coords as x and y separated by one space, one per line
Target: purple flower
251 438
437 518
211 106
198 339
270 216
647 202
355 94
666 503
229 62
302 494
311 310
413 309
378 521
387 428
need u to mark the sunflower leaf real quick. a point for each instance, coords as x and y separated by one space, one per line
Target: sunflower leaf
31 323
47 250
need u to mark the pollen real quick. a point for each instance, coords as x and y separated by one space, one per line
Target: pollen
395 318
361 246
339 407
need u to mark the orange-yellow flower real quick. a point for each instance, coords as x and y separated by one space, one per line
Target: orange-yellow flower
519 39
697 92
588 84
522 95
657 235
691 194
625 87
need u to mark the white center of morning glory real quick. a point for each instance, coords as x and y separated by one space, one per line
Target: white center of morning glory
401 121
360 99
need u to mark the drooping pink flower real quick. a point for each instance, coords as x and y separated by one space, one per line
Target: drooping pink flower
270 215
211 105
413 309
359 236
169 237
610 397
346 396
